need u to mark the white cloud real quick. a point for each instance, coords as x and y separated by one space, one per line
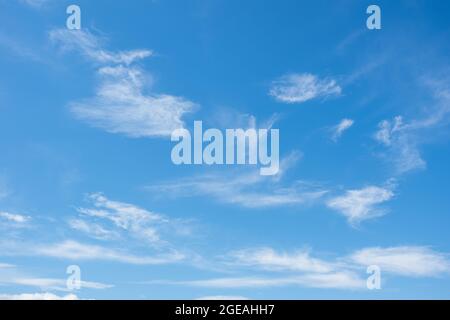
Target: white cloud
406 260
92 229
37 296
91 47
288 163
308 271
361 204
298 88
77 251
247 189
16 218
387 129
123 225
270 268
298 268
339 129
269 259
401 143
136 221
403 139
121 103
120 106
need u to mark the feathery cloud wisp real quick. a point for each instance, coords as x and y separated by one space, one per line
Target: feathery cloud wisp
91 46
347 272
77 251
401 143
16 218
92 229
339 129
121 103
402 139
406 260
299 88
361 204
111 220
249 190
269 259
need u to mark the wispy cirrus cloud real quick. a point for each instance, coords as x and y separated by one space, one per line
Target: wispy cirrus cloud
73 250
340 128
409 261
122 102
92 229
91 46
270 268
113 220
299 88
269 259
298 267
402 145
415 261
136 221
14 217
248 189
361 204
402 139
13 223
115 225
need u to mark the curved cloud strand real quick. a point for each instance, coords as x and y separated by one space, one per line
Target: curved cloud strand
299 88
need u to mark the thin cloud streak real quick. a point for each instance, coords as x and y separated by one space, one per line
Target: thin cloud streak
299 88
414 261
300 269
73 250
340 128
249 189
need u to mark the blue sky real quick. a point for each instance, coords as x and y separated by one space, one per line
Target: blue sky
86 176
